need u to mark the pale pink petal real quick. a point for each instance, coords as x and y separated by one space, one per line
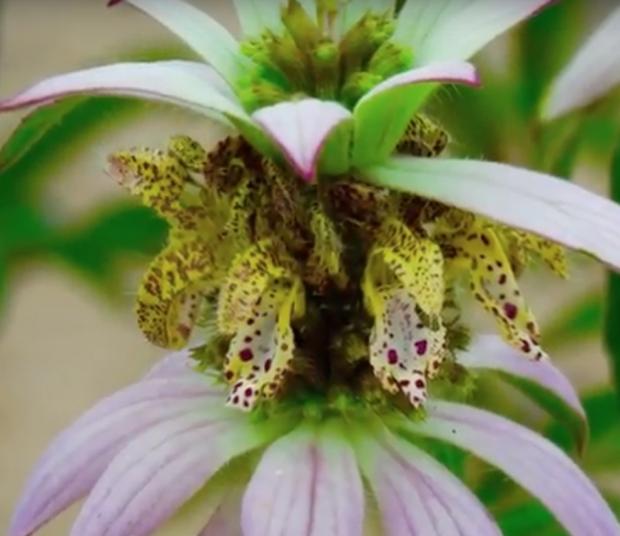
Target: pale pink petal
492 353
306 485
175 364
416 494
532 461
382 115
151 478
592 72
152 390
184 83
200 31
300 128
78 456
226 520
457 29
445 72
545 205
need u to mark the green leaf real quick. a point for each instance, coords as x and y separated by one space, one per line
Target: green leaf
612 317
78 123
31 129
4 281
529 518
23 229
546 43
576 321
556 407
603 413
54 132
98 246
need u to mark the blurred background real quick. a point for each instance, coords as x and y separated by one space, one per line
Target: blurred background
72 245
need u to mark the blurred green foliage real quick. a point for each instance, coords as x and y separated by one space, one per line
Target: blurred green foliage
99 245
612 318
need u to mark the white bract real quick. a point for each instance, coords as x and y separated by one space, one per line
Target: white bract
592 72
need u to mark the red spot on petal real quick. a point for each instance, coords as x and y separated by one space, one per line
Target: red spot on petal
421 346
246 354
248 392
420 384
502 279
511 310
267 365
392 356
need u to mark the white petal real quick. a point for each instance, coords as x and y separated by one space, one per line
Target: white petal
545 205
184 83
258 15
457 29
416 494
532 461
306 485
492 353
382 115
592 72
200 31
300 128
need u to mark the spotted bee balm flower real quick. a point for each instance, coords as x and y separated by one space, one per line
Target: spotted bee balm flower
322 251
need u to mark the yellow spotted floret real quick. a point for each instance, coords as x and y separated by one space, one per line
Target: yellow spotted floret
262 349
521 245
325 262
415 262
494 285
160 180
404 351
171 290
188 152
249 277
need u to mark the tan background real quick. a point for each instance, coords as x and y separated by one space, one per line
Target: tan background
61 348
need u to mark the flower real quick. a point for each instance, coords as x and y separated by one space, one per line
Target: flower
143 452
594 70
322 251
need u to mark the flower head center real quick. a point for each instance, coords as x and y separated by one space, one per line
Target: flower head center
335 289
308 56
